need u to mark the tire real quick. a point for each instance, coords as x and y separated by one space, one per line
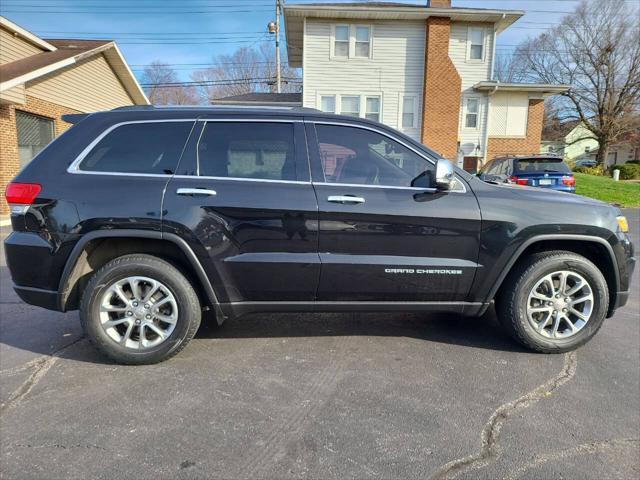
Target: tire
514 305
173 311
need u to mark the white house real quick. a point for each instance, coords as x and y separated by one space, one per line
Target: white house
425 70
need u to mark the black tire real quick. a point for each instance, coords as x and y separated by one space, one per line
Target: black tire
512 301
186 299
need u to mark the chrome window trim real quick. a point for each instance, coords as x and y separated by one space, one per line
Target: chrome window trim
75 165
329 184
382 132
240 179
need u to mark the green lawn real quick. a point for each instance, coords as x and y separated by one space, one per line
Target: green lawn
623 193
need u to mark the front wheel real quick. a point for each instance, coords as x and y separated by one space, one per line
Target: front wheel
553 302
139 309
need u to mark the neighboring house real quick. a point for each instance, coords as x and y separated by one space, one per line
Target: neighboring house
574 142
579 144
425 70
627 149
261 99
40 80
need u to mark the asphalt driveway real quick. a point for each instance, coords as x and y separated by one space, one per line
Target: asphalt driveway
320 396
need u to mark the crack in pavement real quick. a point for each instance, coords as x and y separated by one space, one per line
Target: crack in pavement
41 366
491 431
591 447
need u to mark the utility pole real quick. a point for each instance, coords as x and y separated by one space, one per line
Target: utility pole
278 79
274 27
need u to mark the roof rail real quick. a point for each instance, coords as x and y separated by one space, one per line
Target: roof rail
133 107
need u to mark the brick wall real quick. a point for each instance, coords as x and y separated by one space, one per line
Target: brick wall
442 87
9 161
499 146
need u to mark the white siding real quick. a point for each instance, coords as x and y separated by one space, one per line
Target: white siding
395 69
509 113
14 48
87 86
471 72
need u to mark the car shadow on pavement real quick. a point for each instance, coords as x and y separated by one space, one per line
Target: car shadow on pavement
483 332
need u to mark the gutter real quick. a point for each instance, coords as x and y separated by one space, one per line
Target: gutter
490 94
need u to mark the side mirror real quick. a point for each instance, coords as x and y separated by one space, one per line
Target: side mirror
444 174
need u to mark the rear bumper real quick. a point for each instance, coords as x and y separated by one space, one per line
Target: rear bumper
49 299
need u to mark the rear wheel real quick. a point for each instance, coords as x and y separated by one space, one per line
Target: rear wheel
553 302
139 309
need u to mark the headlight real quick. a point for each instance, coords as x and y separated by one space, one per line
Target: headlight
623 225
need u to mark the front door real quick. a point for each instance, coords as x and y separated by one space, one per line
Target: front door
385 234
244 201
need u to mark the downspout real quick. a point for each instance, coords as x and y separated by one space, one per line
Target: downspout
490 94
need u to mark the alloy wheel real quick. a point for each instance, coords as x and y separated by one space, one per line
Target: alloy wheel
138 312
560 304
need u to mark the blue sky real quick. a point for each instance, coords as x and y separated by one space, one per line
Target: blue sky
189 33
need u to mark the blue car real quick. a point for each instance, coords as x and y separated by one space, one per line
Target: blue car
533 171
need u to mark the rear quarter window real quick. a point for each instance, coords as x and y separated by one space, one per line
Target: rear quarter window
152 148
541 165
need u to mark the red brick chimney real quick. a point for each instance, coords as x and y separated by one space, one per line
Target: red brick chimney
442 90
439 3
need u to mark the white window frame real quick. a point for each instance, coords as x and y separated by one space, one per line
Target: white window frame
333 41
483 31
465 111
362 102
354 28
351 54
335 101
354 95
404 96
379 112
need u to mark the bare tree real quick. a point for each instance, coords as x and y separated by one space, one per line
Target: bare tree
244 71
596 50
163 87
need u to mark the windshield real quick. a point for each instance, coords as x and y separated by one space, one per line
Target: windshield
541 165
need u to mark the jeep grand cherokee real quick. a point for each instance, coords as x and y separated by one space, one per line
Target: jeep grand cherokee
142 218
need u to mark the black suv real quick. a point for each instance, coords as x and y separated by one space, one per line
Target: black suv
144 218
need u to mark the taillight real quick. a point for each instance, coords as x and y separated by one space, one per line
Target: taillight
519 181
22 193
569 181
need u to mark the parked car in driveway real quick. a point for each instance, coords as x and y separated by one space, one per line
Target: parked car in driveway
585 162
143 218
533 171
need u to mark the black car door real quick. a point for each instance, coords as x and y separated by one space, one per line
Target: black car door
244 201
385 235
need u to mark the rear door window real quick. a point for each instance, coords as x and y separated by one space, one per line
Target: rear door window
541 165
252 150
150 147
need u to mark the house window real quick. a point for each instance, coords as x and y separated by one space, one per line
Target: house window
341 44
372 108
328 103
363 42
408 112
34 133
471 113
476 43
350 105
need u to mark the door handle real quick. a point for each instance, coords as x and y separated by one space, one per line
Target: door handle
196 191
345 199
